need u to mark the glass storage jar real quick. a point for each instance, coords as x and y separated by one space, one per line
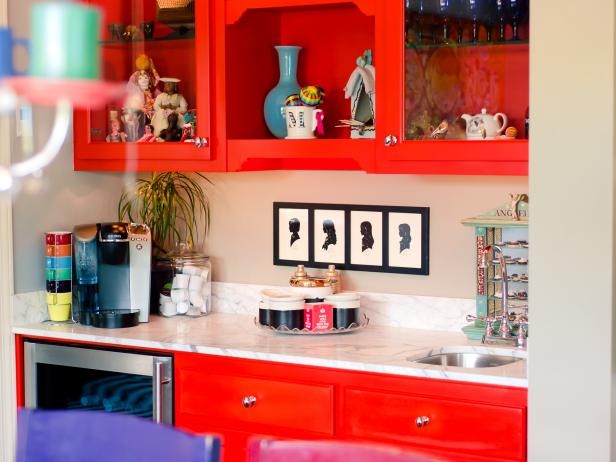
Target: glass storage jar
182 283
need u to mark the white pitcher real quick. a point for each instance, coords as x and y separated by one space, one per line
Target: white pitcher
301 121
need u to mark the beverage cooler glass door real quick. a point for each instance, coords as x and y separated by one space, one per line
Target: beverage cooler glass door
67 377
461 57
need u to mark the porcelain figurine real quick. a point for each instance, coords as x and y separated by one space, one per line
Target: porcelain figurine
116 135
484 126
171 132
142 87
148 136
361 91
134 124
167 103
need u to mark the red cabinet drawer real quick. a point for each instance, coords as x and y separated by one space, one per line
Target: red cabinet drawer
496 432
219 398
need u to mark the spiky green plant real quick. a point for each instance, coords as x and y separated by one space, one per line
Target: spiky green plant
168 203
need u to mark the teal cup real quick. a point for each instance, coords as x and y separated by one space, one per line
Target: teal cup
58 262
58 274
65 41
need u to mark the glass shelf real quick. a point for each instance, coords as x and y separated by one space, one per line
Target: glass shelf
189 35
426 46
522 281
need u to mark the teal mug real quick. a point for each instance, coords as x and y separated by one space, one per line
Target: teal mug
65 41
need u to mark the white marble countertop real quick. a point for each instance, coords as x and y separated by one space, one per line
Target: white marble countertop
373 349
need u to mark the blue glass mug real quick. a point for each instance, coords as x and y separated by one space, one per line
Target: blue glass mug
7 44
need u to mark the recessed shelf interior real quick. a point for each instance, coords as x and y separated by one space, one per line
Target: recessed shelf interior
172 52
332 37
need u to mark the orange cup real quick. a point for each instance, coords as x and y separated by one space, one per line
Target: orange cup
58 250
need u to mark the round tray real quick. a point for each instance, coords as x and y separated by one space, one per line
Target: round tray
341 330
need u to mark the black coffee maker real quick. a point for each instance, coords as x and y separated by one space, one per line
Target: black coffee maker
112 274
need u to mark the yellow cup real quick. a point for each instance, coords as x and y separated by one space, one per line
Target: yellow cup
59 312
64 298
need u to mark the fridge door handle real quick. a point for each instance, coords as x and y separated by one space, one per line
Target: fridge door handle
161 398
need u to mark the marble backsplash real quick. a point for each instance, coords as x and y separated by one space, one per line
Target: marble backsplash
409 311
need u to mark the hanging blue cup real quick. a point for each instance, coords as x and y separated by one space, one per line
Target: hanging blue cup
7 44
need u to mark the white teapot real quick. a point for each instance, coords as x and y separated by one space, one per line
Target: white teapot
484 126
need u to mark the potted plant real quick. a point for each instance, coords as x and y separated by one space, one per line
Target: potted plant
170 204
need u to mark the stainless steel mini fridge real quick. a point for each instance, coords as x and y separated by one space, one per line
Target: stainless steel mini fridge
60 376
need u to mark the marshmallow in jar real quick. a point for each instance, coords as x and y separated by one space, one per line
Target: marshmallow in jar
189 289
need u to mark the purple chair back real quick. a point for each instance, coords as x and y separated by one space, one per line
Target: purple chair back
329 451
71 436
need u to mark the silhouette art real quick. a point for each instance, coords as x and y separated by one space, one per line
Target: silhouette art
294 230
405 233
367 240
330 230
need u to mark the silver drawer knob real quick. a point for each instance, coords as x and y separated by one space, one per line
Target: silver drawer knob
249 401
422 421
391 140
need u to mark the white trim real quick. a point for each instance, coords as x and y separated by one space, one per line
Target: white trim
7 346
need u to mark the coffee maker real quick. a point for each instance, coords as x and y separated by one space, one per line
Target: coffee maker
112 274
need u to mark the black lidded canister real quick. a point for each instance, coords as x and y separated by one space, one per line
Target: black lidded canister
280 309
346 309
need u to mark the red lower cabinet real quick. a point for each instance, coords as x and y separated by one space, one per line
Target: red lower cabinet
243 399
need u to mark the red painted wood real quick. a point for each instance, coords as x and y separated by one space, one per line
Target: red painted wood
329 154
459 426
501 157
471 421
19 371
288 405
188 60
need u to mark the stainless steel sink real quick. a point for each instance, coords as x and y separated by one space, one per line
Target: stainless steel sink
467 360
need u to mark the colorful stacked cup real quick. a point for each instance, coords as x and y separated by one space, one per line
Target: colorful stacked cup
58 270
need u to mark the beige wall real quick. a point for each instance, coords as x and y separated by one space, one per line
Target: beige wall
571 346
241 240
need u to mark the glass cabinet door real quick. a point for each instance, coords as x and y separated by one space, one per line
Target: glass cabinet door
156 49
465 69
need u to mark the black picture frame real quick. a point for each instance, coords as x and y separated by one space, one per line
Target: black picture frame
280 259
389 240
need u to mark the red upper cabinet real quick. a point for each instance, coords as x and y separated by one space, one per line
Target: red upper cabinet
179 44
332 35
437 62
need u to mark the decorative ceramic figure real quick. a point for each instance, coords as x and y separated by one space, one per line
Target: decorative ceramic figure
142 87
134 124
360 89
172 132
116 135
148 136
274 103
167 103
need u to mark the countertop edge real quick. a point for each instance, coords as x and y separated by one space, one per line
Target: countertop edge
276 357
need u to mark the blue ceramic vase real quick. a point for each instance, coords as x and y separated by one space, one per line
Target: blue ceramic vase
287 85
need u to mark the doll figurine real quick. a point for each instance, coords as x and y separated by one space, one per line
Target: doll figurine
134 123
167 103
142 87
172 132
116 135
148 136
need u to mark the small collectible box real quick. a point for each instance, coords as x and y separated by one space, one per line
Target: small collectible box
318 316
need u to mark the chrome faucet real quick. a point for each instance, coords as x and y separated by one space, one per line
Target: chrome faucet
504 333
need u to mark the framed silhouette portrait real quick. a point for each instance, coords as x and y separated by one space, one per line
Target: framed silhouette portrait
407 239
291 234
366 239
329 231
